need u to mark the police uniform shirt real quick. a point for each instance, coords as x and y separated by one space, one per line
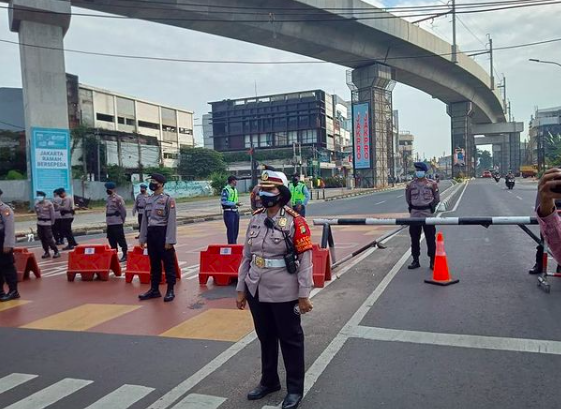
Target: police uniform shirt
115 211
45 211
7 225
56 203
66 207
276 284
160 211
422 193
140 203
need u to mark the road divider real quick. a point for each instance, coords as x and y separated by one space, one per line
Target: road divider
92 260
26 263
138 264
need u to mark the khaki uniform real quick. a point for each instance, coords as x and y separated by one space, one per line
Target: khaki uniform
115 215
139 207
56 226
158 228
8 272
422 196
66 218
46 217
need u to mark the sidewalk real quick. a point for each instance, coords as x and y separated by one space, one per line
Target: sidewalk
93 222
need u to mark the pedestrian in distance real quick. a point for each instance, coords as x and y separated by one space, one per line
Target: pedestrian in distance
300 195
159 234
45 211
549 190
140 205
8 274
229 199
66 218
56 226
422 197
115 216
275 279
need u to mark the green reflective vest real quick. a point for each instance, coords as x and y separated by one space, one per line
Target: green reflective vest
297 193
232 194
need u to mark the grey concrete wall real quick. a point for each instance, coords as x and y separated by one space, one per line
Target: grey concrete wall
15 190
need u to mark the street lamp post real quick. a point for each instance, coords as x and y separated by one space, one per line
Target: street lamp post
544 62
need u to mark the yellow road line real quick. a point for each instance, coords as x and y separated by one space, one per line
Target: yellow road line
81 318
12 304
214 324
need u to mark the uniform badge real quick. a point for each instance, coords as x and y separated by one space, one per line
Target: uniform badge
282 222
259 262
160 212
265 176
303 229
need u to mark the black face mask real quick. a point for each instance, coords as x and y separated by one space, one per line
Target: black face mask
268 201
295 181
109 192
143 191
153 186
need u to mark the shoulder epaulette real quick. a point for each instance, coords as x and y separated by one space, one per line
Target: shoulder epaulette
291 212
260 210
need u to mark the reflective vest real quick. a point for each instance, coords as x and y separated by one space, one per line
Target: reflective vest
297 193
232 194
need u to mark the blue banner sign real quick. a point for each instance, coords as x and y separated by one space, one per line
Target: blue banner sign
361 136
50 160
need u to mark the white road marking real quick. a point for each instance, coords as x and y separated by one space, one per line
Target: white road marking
400 196
197 401
518 197
122 398
51 394
14 380
535 346
383 201
459 200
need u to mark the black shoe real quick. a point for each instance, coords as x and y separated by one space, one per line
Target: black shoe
432 263
170 295
535 270
68 248
12 295
148 295
261 391
123 259
415 264
56 255
291 401
46 255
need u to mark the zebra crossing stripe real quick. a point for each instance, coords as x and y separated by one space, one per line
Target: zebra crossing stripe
122 398
51 394
197 401
13 380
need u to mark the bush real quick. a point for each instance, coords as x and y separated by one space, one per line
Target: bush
218 181
117 174
15 175
168 173
336 181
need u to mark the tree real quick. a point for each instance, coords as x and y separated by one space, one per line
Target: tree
200 163
485 161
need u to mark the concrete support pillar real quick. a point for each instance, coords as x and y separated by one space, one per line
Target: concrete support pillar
374 85
42 63
497 156
514 147
462 137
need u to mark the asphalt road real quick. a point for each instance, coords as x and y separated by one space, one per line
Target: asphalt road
378 337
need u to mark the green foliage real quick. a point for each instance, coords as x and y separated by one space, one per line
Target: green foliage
15 175
218 181
200 163
336 181
552 149
117 174
168 173
264 155
77 172
485 161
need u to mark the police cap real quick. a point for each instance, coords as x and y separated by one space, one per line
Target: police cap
421 166
158 177
143 186
110 185
61 190
231 178
39 193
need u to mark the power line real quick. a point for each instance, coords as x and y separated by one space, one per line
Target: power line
12 125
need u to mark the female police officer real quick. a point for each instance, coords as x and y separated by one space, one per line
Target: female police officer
275 278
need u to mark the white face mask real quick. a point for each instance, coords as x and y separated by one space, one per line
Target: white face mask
40 198
420 174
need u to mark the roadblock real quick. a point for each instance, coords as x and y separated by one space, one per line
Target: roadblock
322 266
26 263
441 273
138 264
221 262
93 260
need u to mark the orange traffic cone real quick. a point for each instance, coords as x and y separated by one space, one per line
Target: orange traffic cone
440 274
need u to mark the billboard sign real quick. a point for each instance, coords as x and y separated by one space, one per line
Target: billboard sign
459 157
50 160
361 136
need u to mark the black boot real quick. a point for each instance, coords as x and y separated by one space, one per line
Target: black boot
261 391
46 255
537 269
12 295
56 255
170 295
415 264
124 258
291 401
148 295
432 263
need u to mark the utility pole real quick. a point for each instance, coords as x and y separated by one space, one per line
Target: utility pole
140 167
454 43
98 157
491 60
503 86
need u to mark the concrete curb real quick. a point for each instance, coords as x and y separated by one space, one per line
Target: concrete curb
363 193
448 203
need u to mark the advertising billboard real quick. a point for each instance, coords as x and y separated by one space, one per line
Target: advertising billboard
361 136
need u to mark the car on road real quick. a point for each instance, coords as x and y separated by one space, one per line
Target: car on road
486 174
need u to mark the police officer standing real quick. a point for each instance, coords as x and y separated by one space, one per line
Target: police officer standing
45 211
422 196
140 205
159 233
299 195
56 226
8 272
230 203
115 215
66 218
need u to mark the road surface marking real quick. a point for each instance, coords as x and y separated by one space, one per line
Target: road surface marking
14 380
400 196
214 324
196 401
518 197
12 304
459 200
81 318
122 398
51 394
535 346
383 201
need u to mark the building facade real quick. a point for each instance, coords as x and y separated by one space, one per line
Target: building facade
544 125
406 153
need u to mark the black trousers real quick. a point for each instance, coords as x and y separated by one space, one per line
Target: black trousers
8 274
232 222
274 323
66 231
116 235
56 231
430 236
140 216
156 241
46 236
